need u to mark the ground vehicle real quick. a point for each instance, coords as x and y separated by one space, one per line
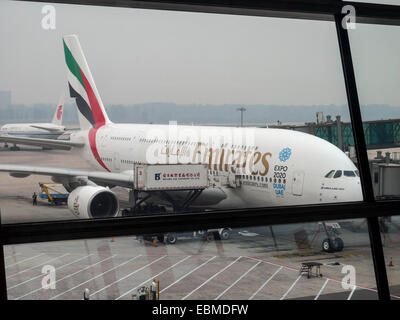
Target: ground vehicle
217 234
54 193
173 237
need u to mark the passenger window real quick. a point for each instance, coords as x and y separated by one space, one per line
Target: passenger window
349 173
330 174
338 174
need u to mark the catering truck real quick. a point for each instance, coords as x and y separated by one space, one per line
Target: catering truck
153 180
170 177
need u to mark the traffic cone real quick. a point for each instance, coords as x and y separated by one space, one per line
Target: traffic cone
112 239
390 263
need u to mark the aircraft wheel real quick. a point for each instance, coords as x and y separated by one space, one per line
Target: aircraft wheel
332 245
171 239
225 234
339 244
326 245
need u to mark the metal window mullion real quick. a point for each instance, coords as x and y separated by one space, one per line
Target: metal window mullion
3 280
96 228
363 164
300 9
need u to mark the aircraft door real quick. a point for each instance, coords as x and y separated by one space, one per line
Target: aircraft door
116 161
297 183
104 140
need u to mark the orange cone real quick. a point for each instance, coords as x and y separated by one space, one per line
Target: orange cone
390 263
112 239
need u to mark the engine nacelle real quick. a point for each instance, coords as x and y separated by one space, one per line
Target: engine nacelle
92 202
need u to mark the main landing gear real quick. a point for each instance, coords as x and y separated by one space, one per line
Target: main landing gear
15 148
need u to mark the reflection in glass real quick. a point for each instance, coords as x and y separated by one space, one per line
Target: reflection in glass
390 227
313 261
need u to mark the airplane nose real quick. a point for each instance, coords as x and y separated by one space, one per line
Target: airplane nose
356 191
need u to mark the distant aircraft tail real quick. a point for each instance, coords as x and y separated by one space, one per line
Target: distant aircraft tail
57 118
91 111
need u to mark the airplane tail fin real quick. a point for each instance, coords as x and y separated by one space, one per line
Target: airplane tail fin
91 111
57 118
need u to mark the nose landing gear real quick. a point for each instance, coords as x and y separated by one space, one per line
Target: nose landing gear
333 243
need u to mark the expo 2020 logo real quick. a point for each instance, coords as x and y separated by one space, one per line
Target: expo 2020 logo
285 154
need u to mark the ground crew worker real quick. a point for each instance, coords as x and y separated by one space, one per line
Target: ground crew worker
34 199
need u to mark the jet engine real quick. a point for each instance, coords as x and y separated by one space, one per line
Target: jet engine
92 202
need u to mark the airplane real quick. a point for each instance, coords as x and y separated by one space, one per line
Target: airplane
52 130
276 167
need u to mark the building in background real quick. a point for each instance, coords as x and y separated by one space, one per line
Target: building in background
5 99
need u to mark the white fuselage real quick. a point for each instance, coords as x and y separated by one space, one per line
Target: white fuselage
33 130
276 166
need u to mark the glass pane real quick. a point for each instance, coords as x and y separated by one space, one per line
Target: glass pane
376 52
200 112
391 239
268 263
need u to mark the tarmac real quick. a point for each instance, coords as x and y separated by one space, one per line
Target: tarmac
251 264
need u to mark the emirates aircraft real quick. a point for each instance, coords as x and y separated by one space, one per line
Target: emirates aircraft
51 130
275 167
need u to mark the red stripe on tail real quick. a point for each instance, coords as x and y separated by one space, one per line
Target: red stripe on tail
94 104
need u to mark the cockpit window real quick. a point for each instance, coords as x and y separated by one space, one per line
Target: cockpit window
349 173
330 174
338 174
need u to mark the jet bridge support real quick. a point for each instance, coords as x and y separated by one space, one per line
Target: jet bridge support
178 205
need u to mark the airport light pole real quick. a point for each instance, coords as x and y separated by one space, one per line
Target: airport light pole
241 109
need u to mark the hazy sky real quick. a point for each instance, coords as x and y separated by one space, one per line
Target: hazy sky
139 56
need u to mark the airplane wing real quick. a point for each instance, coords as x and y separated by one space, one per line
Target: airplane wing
56 144
47 129
65 175
98 177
